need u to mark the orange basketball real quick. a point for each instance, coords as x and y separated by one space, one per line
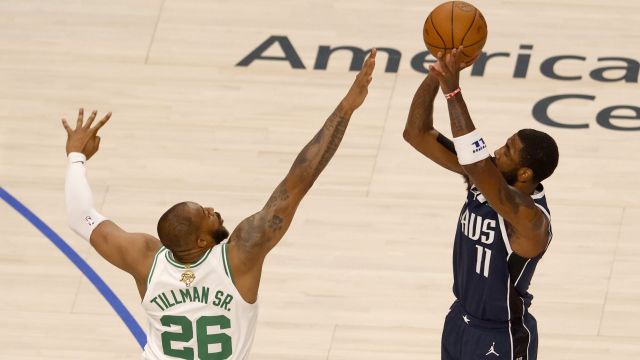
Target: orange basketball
452 24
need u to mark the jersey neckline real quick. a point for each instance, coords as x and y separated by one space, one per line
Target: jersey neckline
179 265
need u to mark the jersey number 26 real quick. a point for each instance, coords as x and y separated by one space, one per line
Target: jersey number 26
203 339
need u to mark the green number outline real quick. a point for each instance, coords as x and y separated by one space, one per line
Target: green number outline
185 335
203 338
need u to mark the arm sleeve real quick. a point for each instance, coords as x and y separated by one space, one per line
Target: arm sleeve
81 215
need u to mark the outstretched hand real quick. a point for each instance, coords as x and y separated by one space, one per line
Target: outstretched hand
84 138
360 88
447 69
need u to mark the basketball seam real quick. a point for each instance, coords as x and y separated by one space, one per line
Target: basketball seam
437 47
438 33
477 42
452 28
469 29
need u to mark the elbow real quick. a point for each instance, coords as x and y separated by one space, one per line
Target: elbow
408 135
417 138
83 222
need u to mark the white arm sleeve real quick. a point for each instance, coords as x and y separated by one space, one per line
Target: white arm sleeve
81 215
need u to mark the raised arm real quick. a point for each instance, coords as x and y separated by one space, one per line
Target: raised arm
258 234
131 252
530 227
419 130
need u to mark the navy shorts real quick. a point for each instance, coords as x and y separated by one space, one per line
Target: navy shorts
468 338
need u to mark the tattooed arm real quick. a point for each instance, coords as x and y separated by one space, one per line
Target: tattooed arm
258 234
419 130
528 226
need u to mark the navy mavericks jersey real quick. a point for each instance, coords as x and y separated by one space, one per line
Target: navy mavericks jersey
490 280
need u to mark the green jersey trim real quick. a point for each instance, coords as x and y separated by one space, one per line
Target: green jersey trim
153 266
225 261
179 265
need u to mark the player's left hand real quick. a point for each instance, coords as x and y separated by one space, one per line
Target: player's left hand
84 138
360 87
447 69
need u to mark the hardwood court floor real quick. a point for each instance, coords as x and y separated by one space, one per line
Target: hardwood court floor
365 270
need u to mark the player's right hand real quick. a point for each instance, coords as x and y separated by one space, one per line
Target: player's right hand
84 138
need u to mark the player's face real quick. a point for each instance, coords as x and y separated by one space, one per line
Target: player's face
211 223
507 159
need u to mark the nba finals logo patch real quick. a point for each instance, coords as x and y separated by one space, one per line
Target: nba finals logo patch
187 277
479 145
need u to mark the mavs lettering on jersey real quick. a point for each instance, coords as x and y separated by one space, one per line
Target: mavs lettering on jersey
491 282
476 228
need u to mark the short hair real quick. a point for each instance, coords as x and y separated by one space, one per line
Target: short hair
176 228
539 153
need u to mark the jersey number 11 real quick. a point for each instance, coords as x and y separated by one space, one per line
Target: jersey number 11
485 254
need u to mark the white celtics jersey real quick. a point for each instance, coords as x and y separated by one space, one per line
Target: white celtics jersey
196 313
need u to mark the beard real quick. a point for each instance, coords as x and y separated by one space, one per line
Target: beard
510 176
220 234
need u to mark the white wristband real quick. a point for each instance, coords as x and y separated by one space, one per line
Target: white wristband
471 148
76 157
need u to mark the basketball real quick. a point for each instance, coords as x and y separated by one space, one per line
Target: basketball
452 24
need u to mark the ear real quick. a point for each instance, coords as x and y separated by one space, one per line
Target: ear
202 242
525 174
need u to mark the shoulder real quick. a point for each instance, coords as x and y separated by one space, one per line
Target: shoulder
250 232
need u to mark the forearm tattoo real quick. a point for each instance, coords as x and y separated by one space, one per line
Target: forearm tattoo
421 110
459 114
275 223
334 133
315 156
281 194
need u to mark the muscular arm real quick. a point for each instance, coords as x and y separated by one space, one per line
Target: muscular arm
419 130
262 231
131 252
258 234
529 225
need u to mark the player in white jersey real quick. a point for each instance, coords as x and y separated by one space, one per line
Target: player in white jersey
198 289
194 307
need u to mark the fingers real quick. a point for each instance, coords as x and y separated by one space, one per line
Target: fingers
101 122
447 61
453 59
457 53
66 126
373 53
450 60
442 68
369 64
92 117
80 117
364 76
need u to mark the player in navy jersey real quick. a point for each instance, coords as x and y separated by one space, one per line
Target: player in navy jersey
504 226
